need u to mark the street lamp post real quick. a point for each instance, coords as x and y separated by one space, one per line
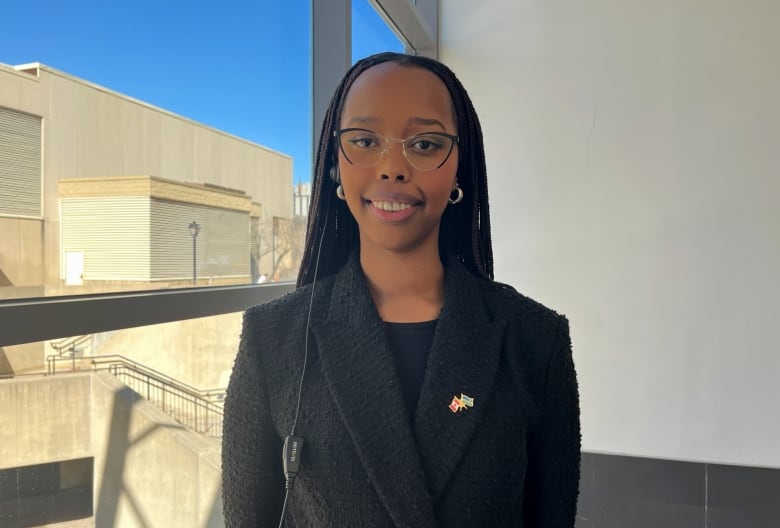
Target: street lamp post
194 230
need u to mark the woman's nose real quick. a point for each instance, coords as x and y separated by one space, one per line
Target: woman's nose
394 165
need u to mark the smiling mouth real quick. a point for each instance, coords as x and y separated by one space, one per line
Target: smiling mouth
390 206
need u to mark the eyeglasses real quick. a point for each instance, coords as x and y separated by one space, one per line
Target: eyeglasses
365 148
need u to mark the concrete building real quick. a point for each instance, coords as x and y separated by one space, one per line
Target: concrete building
301 199
55 127
136 229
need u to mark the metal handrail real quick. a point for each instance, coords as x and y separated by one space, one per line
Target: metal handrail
195 408
70 343
95 361
113 358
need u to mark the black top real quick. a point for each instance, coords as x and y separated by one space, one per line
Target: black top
411 343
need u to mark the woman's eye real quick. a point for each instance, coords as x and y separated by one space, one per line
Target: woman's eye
425 144
364 142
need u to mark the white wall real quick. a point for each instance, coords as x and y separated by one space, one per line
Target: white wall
634 159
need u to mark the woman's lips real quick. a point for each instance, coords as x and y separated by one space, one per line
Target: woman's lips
391 211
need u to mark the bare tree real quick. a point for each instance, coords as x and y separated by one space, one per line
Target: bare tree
277 247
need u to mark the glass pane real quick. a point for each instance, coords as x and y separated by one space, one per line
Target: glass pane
152 145
370 33
143 146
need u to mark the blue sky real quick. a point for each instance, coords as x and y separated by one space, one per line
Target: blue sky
177 55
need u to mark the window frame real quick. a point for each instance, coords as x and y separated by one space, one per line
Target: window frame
414 21
43 318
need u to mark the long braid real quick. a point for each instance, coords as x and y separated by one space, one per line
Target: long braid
465 227
472 246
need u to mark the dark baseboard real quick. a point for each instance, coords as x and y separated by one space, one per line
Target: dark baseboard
634 492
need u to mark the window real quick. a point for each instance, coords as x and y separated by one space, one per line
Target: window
111 145
162 160
370 33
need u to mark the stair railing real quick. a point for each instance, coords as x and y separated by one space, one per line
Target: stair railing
198 409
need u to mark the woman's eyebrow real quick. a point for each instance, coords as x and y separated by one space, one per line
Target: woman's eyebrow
363 120
419 121
425 121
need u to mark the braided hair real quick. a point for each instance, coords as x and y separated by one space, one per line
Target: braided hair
465 227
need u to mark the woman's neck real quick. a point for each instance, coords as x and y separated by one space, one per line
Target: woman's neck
405 287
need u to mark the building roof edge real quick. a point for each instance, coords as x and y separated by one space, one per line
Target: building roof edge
54 71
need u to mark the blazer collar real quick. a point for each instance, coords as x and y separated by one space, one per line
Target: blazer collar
462 362
359 368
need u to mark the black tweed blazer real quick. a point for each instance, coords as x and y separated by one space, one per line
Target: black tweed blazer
511 459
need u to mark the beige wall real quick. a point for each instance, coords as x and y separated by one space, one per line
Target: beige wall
198 352
21 252
29 357
149 470
44 420
89 131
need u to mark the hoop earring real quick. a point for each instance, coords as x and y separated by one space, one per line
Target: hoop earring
458 197
334 174
340 192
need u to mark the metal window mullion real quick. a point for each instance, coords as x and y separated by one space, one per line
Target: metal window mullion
331 55
417 23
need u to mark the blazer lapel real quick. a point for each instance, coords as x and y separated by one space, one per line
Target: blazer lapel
358 366
462 362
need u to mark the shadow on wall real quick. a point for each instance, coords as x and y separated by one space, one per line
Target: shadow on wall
5 365
147 476
4 280
112 483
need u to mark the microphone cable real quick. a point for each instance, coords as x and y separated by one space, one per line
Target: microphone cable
293 445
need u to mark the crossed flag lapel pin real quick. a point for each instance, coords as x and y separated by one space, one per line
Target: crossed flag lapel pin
459 404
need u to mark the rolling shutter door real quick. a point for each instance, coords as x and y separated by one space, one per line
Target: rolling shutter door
20 164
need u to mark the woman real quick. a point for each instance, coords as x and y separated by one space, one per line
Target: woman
418 391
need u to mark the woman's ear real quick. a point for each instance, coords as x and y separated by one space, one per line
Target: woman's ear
334 173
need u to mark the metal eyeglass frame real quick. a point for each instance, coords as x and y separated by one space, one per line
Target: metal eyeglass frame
454 141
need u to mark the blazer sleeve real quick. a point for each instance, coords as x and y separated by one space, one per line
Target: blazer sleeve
252 481
553 471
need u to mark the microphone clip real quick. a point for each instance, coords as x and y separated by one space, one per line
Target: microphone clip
293 447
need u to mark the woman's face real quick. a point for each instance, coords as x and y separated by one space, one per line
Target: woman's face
397 206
